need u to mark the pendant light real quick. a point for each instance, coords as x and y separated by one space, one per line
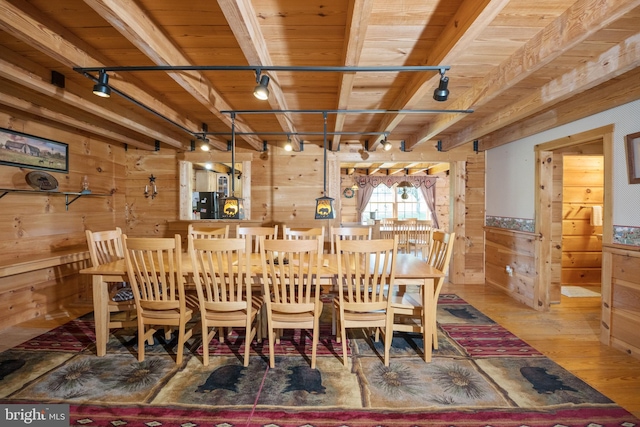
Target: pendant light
232 207
324 204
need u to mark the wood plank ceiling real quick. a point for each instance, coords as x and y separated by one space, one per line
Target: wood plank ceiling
509 59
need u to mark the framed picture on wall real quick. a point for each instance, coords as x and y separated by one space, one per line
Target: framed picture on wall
28 151
633 157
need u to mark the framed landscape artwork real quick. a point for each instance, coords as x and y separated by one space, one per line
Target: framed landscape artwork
633 157
28 151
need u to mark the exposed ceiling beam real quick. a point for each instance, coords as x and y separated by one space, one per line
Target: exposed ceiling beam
33 82
30 107
358 15
245 26
133 23
26 23
616 61
470 20
579 22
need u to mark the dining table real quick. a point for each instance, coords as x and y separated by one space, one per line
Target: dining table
409 269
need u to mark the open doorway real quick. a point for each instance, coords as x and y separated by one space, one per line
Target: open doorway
568 241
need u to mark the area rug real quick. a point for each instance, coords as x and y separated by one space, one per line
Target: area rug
578 292
481 375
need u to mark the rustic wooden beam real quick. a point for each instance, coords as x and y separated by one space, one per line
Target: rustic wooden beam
614 62
29 80
244 23
134 24
575 25
29 107
358 16
28 24
471 18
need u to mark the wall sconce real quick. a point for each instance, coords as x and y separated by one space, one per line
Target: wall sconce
151 186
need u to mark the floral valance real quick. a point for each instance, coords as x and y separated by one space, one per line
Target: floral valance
389 181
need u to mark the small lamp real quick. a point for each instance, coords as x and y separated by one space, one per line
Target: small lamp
324 204
404 185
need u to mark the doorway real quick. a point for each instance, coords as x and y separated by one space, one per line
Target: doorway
552 213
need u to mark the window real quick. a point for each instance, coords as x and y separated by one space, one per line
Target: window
388 202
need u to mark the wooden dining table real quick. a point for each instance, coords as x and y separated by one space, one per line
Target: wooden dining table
408 268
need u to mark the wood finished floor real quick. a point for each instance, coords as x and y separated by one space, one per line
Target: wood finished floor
568 334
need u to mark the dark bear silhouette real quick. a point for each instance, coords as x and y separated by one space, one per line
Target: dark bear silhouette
542 381
306 379
225 377
9 366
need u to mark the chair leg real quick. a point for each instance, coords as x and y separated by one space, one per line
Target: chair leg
207 336
343 333
316 332
272 343
388 338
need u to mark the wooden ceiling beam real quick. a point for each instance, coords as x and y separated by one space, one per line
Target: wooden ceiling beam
471 18
29 107
24 22
134 24
29 80
243 22
358 17
614 62
574 26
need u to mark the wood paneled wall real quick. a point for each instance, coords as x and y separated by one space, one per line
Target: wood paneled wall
583 188
621 299
515 249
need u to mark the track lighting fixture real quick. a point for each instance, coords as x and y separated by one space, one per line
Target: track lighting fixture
204 144
261 91
102 88
442 93
288 146
386 144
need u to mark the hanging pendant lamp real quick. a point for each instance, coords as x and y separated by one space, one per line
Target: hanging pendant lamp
324 204
233 207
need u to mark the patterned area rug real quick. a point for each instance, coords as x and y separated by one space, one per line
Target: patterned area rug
481 375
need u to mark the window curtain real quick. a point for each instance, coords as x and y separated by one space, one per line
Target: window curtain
426 184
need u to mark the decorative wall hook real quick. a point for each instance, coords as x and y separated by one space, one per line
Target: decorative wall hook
151 186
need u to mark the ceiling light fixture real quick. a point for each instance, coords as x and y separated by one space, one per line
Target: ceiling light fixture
233 207
324 204
404 185
442 93
288 146
102 88
261 91
386 144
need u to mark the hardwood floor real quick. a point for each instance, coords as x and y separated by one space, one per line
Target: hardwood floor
568 334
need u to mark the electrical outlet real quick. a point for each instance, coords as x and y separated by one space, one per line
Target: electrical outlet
509 270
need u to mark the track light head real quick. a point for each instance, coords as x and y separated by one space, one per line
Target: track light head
386 144
102 88
442 93
204 145
261 91
288 146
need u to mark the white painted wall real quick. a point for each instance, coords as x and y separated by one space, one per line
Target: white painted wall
511 168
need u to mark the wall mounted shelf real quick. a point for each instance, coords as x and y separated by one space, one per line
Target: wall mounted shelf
66 194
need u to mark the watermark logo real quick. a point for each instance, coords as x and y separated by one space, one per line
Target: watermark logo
34 415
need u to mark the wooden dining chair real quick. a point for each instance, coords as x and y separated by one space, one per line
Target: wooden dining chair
208 231
252 236
106 247
154 267
386 228
420 238
348 233
402 228
222 274
316 233
290 276
407 306
365 273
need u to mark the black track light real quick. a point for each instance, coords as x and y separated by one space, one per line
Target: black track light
442 93
261 91
102 88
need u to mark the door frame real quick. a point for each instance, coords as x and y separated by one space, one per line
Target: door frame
544 203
